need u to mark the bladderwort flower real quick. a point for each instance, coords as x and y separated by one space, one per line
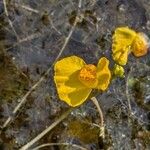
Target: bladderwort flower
75 79
125 41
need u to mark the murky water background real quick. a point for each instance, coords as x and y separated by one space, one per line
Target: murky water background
32 34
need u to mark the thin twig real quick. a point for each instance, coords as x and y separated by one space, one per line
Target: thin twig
59 144
43 133
10 23
128 99
28 8
53 26
102 129
28 38
24 98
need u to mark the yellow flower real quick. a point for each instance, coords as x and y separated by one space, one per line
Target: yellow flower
75 79
126 40
118 71
122 41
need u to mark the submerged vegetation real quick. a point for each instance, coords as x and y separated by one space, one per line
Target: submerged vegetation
13 82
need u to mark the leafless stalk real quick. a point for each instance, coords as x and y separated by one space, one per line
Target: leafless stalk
102 132
94 100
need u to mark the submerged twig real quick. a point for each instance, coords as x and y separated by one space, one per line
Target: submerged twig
102 132
28 38
24 98
27 8
43 133
10 23
59 144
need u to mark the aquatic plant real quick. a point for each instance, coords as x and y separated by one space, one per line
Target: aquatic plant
75 79
125 41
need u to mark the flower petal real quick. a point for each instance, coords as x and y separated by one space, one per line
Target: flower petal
69 65
103 74
122 41
72 91
121 57
73 97
79 96
69 88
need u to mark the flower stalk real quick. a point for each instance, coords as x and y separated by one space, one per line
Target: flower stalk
102 127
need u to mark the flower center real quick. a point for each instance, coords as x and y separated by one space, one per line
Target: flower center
87 76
